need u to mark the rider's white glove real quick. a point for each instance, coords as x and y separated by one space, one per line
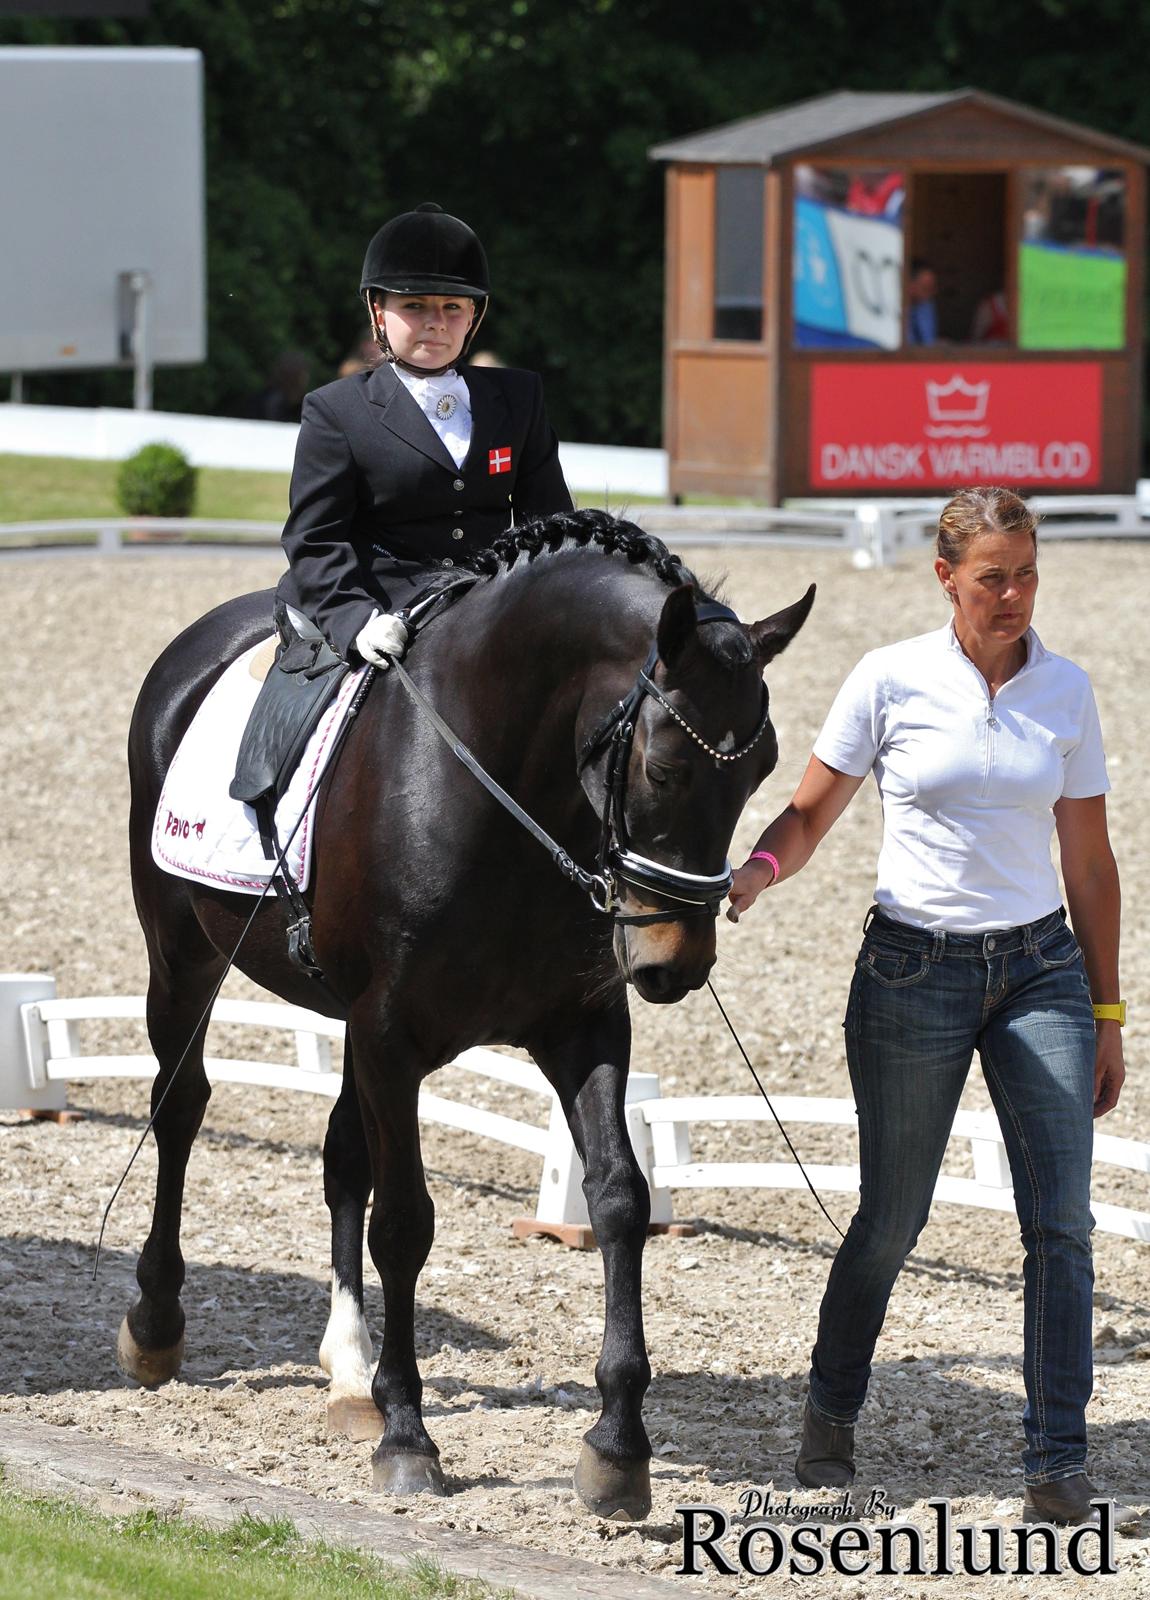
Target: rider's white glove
380 637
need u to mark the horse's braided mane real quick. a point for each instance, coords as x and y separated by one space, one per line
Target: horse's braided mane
587 529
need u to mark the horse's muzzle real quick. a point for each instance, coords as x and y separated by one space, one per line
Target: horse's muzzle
667 961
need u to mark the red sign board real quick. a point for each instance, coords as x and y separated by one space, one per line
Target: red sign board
1031 424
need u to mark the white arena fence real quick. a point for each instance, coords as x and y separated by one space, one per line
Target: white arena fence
872 533
40 1052
109 433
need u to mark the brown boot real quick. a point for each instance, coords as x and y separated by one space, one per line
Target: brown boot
826 1452
1068 1502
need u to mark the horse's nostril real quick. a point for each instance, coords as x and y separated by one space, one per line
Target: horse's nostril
657 981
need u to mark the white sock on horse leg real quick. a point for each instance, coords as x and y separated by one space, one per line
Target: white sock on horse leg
345 1353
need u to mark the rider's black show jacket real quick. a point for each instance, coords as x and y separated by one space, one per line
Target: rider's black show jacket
377 501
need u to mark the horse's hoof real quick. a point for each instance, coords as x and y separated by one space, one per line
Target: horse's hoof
149 1367
406 1473
352 1416
620 1490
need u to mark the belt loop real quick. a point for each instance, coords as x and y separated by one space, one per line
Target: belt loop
1028 939
938 948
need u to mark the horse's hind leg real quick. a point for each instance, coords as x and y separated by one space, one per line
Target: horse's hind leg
345 1354
399 1235
588 1067
151 1342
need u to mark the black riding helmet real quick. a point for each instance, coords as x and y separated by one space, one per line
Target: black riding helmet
425 251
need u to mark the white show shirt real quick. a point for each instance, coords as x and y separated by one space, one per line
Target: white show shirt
967 781
455 431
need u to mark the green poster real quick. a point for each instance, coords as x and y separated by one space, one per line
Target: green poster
1070 299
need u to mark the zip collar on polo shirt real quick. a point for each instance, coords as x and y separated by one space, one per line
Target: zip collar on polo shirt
1036 652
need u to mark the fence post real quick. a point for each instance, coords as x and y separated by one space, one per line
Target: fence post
561 1210
991 1168
645 1086
24 1084
874 536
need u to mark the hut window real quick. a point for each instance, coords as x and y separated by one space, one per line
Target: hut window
739 253
848 249
956 282
1072 260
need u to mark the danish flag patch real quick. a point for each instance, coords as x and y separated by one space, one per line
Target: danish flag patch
499 460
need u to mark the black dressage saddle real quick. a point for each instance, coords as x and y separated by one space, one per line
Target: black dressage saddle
298 688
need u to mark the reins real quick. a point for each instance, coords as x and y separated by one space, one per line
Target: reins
599 889
694 893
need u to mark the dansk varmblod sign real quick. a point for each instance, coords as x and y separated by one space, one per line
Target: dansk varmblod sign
916 426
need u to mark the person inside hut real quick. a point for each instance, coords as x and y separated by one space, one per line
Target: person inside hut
922 303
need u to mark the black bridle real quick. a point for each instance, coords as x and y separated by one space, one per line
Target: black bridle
695 894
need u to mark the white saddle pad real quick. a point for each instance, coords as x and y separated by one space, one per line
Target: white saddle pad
200 832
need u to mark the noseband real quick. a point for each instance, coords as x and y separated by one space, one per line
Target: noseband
695 894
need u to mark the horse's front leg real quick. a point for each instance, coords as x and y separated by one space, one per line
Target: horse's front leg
588 1068
345 1353
399 1235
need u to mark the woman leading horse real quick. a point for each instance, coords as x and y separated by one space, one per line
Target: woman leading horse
626 713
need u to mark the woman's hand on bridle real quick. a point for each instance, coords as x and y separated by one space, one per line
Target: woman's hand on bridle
750 881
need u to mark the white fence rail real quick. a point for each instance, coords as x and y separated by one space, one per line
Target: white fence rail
873 533
41 1051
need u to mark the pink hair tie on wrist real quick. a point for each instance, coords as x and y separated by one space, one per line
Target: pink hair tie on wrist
765 855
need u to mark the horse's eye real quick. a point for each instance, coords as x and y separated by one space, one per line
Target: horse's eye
659 773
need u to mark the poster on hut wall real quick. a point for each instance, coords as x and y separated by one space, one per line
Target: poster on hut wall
907 425
1071 299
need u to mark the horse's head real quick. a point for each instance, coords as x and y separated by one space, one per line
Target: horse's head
670 770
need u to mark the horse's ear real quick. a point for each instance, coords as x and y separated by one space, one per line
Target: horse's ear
774 634
677 624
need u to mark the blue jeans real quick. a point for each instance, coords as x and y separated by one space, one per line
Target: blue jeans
920 1005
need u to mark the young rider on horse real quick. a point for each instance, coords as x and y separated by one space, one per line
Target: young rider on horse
403 469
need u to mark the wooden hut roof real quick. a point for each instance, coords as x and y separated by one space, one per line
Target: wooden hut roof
828 119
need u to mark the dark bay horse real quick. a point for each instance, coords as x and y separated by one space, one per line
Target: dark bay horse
442 924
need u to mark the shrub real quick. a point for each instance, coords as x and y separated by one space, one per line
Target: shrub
157 481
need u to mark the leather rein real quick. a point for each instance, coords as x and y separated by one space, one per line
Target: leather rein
693 893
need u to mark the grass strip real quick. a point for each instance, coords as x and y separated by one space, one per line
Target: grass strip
52 488
57 1550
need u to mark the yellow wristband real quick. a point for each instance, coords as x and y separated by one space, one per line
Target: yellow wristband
1115 1013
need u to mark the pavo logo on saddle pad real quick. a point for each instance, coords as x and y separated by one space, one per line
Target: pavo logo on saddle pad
181 828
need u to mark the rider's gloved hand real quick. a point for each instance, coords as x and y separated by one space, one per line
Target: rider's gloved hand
381 637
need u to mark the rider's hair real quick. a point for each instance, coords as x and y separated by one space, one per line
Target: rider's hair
981 510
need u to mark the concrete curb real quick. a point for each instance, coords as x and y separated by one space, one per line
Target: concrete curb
44 1460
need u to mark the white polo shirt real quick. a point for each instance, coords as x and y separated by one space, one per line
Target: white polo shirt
967 781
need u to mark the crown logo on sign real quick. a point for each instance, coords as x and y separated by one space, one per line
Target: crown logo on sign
970 408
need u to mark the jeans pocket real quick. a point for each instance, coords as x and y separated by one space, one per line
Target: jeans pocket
1060 950
891 968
